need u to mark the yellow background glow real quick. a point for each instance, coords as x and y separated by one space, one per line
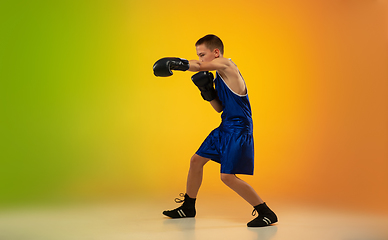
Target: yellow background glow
83 116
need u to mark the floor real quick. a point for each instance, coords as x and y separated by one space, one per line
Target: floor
220 219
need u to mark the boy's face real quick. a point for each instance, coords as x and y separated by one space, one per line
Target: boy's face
205 54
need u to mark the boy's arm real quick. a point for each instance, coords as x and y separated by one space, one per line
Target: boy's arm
204 81
218 64
217 105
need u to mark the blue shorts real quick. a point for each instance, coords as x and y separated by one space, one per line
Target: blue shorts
234 150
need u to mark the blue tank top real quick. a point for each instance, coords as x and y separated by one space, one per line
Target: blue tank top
237 114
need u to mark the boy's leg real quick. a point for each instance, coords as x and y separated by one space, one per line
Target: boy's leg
266 215
195 175
241 188
194 180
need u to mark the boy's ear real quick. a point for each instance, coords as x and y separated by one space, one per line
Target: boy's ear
216 52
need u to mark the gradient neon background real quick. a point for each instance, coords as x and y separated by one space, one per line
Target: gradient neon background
83 117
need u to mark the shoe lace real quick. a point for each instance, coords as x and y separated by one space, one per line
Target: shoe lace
254 212
177 200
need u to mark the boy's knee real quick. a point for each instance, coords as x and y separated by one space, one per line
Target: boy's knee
194 160
228 178
198 161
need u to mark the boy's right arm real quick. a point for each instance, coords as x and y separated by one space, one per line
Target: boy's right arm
204 81
217 105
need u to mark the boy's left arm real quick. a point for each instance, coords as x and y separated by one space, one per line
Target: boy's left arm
218 64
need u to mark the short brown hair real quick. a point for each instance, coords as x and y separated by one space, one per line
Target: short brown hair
212 42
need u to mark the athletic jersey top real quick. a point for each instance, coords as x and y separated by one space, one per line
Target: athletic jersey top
237 114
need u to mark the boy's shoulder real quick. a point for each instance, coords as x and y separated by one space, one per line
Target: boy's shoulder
223 60
226 63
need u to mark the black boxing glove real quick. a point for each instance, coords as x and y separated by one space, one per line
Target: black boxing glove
163 67
204 82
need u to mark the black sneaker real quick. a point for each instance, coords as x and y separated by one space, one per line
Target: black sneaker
187 209
265 217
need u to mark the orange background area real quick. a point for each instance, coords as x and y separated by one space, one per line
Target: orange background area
106 127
